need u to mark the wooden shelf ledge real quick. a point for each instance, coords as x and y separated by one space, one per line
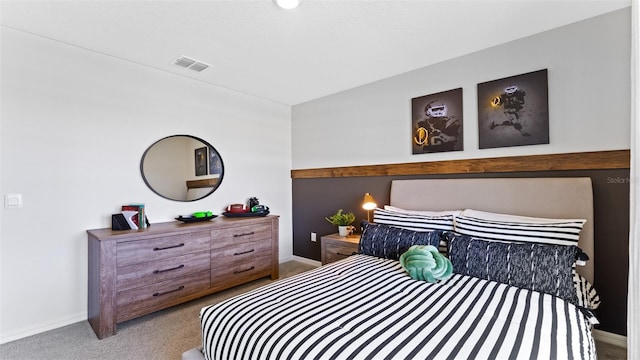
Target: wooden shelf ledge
613 159
204 183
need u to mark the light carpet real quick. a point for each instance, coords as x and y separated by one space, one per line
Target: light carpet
164 334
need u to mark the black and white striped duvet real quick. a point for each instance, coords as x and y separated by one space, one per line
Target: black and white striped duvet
365 307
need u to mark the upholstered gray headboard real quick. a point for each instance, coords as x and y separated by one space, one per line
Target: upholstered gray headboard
566 198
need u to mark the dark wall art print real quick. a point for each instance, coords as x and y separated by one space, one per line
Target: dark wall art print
437 122
201 160
215 163
514 111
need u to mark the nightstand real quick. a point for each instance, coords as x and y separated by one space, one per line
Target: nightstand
335 247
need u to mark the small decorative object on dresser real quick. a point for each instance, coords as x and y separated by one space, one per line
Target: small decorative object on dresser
251 210
343 221
136 272
198 216
336 247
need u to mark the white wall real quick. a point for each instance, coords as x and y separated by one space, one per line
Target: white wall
168 165
589 110
74 125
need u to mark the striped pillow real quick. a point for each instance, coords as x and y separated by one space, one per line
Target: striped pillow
511 228
587 295
390 242
413 221
423 212
540 267
417 221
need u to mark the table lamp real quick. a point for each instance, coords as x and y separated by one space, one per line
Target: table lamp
368 204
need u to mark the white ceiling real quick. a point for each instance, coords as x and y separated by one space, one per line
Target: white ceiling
293 56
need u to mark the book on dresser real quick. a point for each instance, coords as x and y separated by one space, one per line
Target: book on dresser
133 213
136 272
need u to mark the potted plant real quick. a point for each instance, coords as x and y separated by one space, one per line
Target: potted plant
342 221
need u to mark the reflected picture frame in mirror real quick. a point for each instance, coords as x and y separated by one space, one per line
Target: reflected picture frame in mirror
167 168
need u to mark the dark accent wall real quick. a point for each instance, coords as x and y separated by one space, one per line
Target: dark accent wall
316 198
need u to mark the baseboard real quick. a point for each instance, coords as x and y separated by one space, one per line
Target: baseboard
40 328
304 260
610 338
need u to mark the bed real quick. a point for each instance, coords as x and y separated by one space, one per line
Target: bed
497 304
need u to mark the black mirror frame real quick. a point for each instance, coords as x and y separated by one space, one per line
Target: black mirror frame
206 143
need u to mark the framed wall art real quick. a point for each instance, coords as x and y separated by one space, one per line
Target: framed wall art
201 160
514 111
215 163
437 122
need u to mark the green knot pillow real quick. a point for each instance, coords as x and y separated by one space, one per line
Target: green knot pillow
424 262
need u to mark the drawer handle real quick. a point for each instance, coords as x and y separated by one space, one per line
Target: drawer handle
168 292
243 234
168 247
243 252
169 269
241 271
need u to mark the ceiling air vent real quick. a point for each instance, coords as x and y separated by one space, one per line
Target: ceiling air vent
191 64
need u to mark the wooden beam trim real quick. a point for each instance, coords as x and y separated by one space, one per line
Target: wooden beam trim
204 183
596 160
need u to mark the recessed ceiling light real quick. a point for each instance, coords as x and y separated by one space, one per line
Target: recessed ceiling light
287 4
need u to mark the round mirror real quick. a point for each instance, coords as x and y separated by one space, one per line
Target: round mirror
182 168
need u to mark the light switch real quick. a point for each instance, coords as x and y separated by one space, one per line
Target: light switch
12 201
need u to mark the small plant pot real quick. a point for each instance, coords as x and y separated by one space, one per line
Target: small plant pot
345 230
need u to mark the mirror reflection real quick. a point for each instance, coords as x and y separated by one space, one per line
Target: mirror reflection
182 168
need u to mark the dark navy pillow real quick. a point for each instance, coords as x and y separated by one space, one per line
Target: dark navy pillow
541 267
390 242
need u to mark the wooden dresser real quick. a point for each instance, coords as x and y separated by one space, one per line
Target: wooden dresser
136 272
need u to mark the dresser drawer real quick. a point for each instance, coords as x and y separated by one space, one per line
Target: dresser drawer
134 252
159 270
239 234
237 273
240 253
145 299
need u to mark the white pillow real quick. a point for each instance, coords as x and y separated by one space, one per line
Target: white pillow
423 212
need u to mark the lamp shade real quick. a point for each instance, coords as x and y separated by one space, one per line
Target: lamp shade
369 203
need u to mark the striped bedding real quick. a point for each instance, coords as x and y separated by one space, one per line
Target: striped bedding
365 307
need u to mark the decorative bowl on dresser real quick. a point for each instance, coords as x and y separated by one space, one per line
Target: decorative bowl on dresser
136 272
